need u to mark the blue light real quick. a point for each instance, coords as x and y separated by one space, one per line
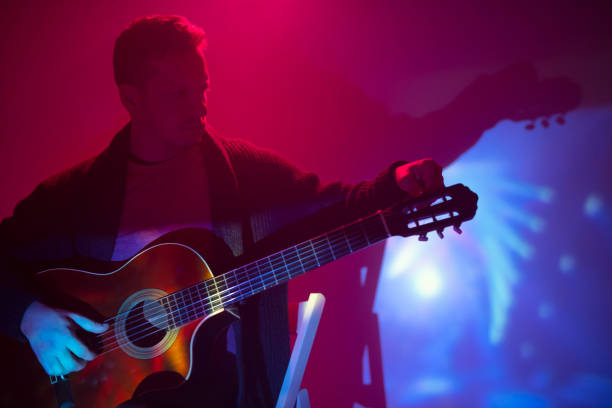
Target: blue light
545 310
499 317
427 282
567 263
593 205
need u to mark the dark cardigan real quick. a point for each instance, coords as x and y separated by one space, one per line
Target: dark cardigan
257 200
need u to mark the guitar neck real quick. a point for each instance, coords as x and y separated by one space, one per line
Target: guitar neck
238 284
435 211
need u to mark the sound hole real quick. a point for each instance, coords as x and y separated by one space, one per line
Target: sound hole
139 330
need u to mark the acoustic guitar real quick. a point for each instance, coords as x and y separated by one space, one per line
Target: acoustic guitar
157 302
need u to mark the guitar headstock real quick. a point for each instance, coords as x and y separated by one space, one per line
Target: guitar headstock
449 207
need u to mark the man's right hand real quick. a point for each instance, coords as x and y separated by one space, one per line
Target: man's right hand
51 336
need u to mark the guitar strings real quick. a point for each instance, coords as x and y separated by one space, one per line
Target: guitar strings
224 298
252 263
218 297
247 269
215 297
227 297
115 343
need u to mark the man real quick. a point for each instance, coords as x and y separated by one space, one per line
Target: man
166 171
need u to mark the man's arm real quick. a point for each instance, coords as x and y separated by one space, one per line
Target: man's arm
278 193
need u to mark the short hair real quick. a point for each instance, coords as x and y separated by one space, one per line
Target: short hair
150 38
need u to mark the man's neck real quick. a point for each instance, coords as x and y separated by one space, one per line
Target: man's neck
145 147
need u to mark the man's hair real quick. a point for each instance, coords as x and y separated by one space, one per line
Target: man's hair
150 38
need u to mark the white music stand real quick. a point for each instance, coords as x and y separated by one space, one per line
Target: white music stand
309 314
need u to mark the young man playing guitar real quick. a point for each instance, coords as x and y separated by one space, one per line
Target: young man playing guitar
164 172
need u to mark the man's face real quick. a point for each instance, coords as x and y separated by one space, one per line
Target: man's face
173 99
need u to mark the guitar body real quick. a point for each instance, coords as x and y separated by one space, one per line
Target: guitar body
131 291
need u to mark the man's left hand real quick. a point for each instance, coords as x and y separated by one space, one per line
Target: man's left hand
419 177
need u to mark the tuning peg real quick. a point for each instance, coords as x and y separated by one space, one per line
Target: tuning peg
440 234
560 120
457 229
545 123
530 126
423 237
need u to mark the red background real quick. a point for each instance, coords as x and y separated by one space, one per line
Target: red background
338 87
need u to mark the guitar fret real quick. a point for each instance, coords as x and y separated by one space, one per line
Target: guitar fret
260 273
222 285
170 318
384 222
200 304
247 279
175 311
180 303
356 237
330 246
196 301
270 279
270 262
185 308
262 280
236 284
188 306
242 286
274 276
265 269
217 303
348 242
292 262
209 300
195 306
276 262
225 292
234 288
314 253
311 257
306 256
283 263
323 250
298 265
363 231
340 245
255 277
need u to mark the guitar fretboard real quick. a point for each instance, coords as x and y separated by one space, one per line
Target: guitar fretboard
233 286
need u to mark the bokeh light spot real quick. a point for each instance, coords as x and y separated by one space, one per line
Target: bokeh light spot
545 310
427 282
527 350
593 205
567 263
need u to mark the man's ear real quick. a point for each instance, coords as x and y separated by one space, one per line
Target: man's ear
130 97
